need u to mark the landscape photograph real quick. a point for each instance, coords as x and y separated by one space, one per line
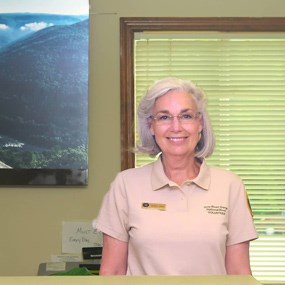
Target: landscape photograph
44 92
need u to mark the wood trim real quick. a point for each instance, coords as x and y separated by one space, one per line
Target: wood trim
129 26
127 94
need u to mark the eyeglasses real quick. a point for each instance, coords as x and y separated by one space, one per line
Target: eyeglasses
167 119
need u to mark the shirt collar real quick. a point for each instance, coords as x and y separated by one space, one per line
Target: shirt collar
203 179
159 179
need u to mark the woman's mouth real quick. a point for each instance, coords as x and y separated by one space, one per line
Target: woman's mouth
176 139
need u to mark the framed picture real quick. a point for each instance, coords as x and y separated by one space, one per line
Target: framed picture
44 92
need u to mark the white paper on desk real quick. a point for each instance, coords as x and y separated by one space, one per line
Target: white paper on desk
76 235
66 258
55 266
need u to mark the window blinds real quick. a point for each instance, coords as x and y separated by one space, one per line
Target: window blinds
244 79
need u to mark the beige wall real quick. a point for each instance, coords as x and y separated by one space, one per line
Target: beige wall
31 218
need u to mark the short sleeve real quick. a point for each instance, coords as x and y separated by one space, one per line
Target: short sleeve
241 225
113 215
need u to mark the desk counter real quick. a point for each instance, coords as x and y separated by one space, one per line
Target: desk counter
129 280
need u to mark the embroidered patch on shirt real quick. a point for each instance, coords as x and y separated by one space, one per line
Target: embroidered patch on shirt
154 206
216 210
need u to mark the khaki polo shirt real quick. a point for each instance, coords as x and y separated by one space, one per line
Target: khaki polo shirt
174 230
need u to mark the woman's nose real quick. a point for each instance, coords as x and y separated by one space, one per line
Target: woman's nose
176 123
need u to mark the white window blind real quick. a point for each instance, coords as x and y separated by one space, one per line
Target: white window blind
243 76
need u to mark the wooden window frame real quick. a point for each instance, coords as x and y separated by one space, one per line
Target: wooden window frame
130 25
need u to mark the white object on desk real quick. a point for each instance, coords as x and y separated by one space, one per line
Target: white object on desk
56 266
76 235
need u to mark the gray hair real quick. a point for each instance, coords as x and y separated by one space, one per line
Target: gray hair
148 145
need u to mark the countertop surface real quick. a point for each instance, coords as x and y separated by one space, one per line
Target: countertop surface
130 280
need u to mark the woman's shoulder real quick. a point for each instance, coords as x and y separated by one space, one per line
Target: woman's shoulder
223 173
137 171
133 178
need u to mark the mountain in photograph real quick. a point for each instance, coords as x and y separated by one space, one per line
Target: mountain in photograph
44 87
14 26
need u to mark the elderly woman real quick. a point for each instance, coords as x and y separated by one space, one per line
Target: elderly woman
177 215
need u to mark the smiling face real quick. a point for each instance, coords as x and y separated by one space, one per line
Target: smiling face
176 136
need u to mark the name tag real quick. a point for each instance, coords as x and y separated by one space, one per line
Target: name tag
154 206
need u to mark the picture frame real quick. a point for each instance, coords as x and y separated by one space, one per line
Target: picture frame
44 93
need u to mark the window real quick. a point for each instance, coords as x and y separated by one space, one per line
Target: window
240 63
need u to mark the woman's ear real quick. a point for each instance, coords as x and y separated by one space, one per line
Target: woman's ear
201 125
150 126
151 129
